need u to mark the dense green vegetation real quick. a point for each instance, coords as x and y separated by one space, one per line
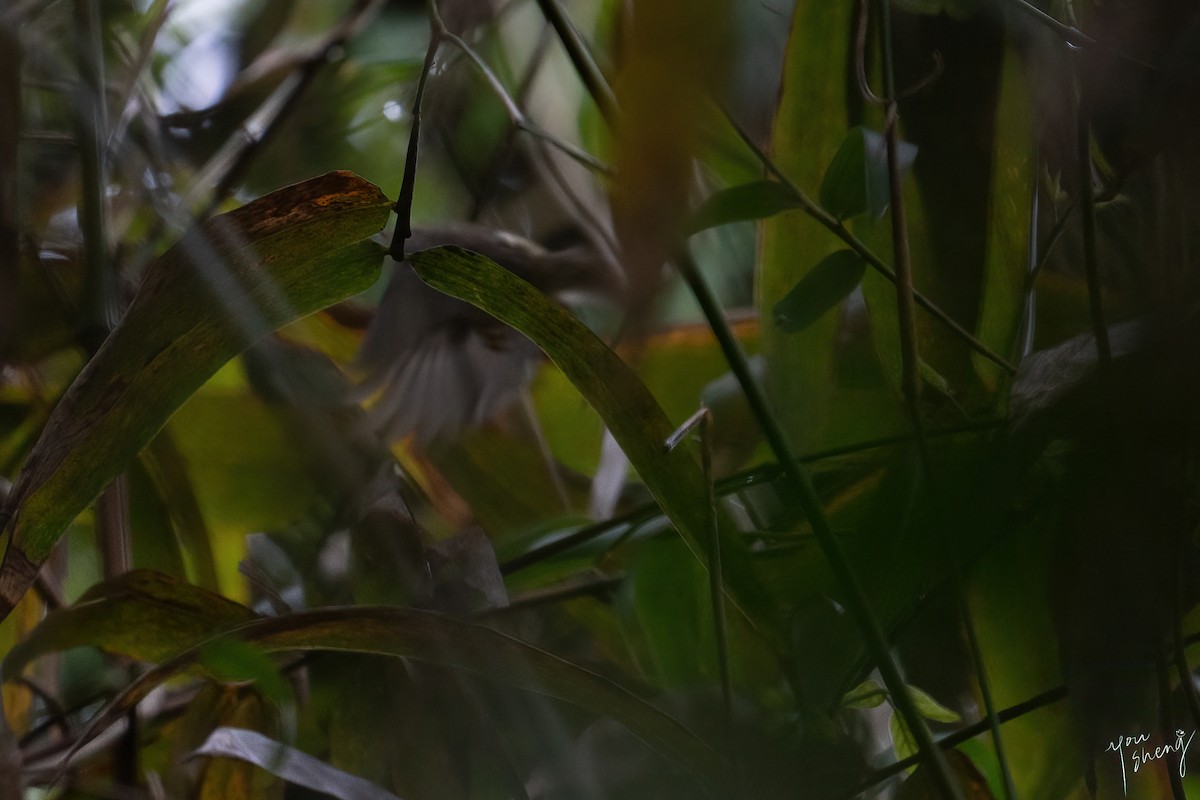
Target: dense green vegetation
543 399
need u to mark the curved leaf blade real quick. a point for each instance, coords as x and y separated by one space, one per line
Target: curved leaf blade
629 410
429 637
141 614
227 283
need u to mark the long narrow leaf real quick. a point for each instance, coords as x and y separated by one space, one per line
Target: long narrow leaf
425 636
618 395
227 283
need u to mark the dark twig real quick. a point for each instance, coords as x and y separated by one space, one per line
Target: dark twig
404 201
518 117
910 372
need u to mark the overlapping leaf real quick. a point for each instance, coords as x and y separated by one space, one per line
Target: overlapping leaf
227 283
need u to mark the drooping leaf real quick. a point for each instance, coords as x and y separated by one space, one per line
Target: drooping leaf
857 177
144 615
930 708
622 400
227 283
425 636
867 694
750 201
292 765
821 289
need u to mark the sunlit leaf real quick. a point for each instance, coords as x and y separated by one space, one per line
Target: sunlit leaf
902 741
226 284
931 709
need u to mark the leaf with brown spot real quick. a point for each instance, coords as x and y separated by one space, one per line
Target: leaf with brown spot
227 283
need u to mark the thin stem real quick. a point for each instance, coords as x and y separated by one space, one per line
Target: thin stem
910 359
985 687
585 66
725 486
1075 37
802 486
599 586
834 226
504 154
279 106
518 117
701 422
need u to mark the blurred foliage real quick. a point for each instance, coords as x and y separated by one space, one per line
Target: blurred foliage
224 576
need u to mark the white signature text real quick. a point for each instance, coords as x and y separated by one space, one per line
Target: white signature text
1140 752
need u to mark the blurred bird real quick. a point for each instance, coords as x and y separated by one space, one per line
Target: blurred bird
439 365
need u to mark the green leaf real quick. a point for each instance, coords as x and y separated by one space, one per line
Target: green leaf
867 694
669 614
857 177
821 289
144 615
750 201
816 412
629 410
425 636
231 661
930 708
902 740
229 282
